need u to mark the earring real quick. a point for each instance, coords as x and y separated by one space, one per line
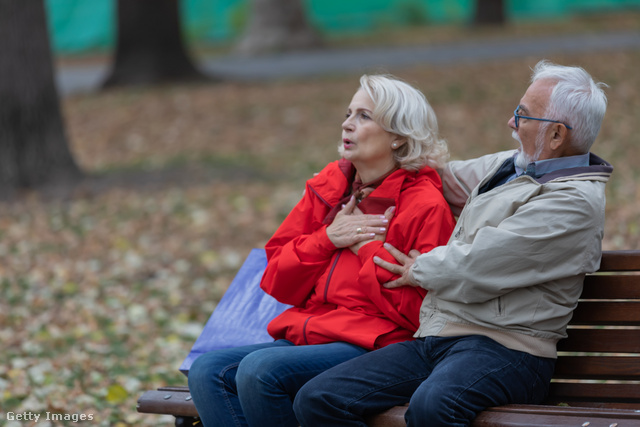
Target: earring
394 145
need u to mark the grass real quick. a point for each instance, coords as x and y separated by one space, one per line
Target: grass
104 293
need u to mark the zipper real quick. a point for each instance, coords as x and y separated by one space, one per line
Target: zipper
333 266
304 330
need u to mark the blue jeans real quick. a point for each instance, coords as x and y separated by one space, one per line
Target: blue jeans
255 385
446 382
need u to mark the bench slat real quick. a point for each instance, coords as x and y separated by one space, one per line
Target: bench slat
607 287
601 340
530 415
620 261
607 313
614 393
598 367
538 415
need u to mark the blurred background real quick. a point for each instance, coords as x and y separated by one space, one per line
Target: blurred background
147 146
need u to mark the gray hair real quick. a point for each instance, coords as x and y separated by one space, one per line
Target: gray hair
403 110
575 100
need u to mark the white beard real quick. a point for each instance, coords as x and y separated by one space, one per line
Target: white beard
523 159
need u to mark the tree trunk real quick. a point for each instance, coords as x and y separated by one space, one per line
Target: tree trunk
278 25
149 46
33 145
489 12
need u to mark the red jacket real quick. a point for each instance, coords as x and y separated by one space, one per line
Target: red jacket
337 295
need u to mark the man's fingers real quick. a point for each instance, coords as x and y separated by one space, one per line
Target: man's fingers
398 255
393 268
393 284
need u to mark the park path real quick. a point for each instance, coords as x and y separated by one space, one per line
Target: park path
86 78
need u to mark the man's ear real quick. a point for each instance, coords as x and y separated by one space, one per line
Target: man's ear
559 136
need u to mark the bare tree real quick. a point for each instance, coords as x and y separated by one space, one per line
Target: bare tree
278 25
489 12
33 145
150 47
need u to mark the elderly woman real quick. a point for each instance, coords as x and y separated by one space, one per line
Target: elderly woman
384 189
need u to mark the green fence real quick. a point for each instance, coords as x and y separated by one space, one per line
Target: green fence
86 25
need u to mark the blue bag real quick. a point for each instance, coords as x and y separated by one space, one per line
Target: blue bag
242 315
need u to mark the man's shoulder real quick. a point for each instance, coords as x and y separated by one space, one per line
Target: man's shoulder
489 160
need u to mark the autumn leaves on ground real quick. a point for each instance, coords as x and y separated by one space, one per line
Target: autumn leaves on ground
104 293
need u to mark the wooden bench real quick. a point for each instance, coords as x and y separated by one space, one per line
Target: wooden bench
597 377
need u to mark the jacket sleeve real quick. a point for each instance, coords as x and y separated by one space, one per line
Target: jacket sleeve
460 177
554 235
298 252
417 228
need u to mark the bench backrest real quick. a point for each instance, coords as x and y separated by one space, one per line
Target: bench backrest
600 360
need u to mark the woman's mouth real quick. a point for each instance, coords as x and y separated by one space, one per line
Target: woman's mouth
347 143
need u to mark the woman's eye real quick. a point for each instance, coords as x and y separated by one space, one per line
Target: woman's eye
365 116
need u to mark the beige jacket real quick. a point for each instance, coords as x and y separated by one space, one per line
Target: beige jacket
514 266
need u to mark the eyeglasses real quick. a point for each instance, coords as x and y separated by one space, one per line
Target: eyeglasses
518 117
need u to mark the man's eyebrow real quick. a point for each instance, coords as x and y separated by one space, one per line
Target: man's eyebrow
522 109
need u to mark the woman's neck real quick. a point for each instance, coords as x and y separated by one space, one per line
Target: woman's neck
370 175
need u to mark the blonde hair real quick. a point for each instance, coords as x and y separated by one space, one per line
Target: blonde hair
403 110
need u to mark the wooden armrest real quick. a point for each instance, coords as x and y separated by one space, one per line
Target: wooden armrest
168 400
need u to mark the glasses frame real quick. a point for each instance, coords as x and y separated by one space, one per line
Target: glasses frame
517 118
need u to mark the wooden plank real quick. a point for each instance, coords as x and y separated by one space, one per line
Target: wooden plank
598 367
620 261
611 287
171 402
601 341
594 404
539 415
528 415
598 392
607 313
393 417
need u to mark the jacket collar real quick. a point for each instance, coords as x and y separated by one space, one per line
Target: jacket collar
332 183
598 170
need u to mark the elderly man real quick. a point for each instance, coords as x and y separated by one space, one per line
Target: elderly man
501 292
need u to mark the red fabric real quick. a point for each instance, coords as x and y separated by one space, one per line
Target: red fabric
337 295
357 188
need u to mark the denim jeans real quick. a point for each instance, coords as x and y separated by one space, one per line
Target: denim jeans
445 380
255 385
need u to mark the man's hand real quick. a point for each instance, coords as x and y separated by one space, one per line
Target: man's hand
402 269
